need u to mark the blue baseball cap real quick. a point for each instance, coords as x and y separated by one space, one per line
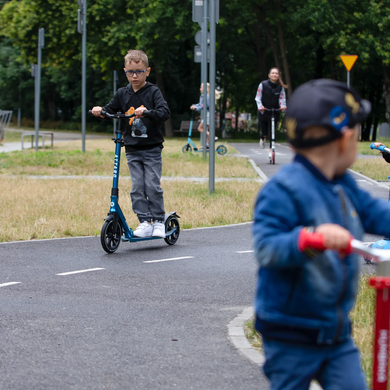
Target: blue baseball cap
323 103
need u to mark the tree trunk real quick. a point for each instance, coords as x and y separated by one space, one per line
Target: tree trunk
386 90
160 84
260 50
374 131
270 39
283 50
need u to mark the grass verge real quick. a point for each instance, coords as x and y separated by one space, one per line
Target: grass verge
362 317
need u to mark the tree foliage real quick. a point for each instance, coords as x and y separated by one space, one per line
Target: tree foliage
303 38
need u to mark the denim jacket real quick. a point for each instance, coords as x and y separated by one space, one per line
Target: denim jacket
307 296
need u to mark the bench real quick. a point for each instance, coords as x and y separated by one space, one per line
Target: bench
185 127
41 134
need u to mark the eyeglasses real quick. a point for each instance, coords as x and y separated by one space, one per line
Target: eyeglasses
131 73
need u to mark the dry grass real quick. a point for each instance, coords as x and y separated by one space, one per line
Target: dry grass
36 209
67 159
375 168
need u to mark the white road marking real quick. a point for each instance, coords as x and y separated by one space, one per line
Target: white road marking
172 259
80 271
245 251
9 284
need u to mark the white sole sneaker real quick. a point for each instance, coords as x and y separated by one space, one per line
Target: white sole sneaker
158 230
145 229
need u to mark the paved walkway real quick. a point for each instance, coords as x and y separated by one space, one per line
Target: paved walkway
59 136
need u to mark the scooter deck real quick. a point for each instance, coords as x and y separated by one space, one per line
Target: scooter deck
135 239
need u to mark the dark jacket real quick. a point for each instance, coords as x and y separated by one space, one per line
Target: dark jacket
144 133
306 297
270 99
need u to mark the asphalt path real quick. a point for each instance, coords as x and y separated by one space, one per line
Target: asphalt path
150 316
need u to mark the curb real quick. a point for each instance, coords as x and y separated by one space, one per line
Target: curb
236 335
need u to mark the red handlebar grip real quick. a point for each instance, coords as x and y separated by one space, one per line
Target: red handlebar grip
310 240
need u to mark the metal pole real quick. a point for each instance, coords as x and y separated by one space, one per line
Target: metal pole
41 35
348 80
84 73
204 76
212 98
115 87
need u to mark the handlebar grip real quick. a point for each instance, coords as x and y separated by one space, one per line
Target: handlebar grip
310 240
307 240
381 148
90 112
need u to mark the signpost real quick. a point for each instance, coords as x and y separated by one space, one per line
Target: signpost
348 61
82 29
36 72
203 12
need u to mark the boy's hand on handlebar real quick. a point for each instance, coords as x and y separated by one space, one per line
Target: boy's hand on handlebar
139 111
96 111
335 236
283 108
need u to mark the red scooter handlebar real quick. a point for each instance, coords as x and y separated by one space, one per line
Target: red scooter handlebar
314 240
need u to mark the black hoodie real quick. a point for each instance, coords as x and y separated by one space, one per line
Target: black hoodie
144 133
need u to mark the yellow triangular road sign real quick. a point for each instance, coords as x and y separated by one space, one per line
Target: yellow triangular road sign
348 60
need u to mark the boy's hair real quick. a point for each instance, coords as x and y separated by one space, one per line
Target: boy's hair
323 103
136 56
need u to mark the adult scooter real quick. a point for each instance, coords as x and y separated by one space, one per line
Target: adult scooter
190 146
381 284
385 242
273 136
115 228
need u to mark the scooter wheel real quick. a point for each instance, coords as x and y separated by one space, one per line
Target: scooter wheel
187 148
109 239
221 149
171 223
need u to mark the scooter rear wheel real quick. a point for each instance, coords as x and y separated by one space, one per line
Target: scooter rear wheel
171 223
221 149
109 239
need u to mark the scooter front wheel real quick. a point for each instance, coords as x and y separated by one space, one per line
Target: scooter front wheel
109 238
172 223
187 148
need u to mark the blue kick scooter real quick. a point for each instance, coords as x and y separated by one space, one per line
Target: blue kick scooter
190 146
115 228
385 242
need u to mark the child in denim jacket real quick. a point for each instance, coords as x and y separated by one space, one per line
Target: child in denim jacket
303 299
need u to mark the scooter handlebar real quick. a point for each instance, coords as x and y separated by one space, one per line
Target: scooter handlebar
118 115
381 148
314 240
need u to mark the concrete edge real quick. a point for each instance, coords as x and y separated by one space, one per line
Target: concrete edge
236 336
258 170
372 181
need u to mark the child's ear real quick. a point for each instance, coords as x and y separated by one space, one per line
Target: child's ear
346 139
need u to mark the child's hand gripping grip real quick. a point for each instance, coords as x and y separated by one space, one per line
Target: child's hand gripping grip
316 241
380 147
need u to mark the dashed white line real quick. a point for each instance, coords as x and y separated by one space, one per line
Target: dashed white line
80 271
9 284
172 259
245 251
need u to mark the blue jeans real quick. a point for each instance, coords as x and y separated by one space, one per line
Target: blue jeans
146 194
291 366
